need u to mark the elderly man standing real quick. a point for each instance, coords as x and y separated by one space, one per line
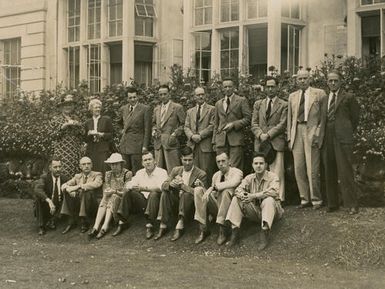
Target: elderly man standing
217 198
305 132
178 194
232 116
268 124
257 199
199 128
168 121
49 197
79 195
142 194
136 133
342 114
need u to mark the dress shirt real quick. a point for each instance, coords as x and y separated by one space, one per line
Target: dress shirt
225 101
331 96
96 119
233 178
164 108
202 106
272 102
306 105
133 106
186 176
268 184
154 180
58 185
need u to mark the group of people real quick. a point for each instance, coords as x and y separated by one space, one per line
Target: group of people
203 180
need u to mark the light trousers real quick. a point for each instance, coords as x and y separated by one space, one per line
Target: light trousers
278 168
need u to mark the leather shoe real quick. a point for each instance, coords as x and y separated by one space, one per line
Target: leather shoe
177 234
234 239
161 233
264 241
202 236
119 229
305 205
101 234
353 211
149 233
67 229
222 236
92 234
41 231
51 225
83 228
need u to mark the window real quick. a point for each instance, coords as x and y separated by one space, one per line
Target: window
115 17
203 12
73 66
229 52
257 46
203 56
11 67
73 20
93 67
144 17
290 48
94 11
256 9
143 64
290 9
371 2
370 29
115 63
229 10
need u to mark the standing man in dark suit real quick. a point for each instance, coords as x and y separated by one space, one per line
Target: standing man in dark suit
199 128
178 194
136 134
168 121
341 114
269 123
305 132
49 196
232 116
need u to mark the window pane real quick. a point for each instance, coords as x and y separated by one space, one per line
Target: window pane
234 10
198 16
225 10
262 8
143 64
208 15
366 2
252 11
150 10
234 58
198 3
115 64
257 45
11 69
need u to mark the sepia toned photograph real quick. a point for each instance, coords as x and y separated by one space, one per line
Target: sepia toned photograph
192 144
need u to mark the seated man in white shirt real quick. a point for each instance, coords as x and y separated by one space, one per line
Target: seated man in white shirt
142 194
256 198
217 198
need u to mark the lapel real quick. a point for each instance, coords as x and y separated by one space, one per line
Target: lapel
297 99
193 176
130 114
204 111
169 112
312 98
232 103
220 106
49 184
276 106
340 96
194 112
264 108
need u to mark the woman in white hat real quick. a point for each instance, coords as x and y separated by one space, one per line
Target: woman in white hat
112 194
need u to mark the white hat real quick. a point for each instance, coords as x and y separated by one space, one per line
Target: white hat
115 158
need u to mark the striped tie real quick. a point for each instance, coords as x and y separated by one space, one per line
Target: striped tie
162 114
301 111
332 108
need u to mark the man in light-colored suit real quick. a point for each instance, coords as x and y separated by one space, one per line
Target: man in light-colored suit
168 122
199 128
79 195
231 117
136 134
217 198
178 194
269 123
305 132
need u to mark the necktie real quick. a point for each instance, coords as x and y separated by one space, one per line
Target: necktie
162 114
85 179
198 118
301 111
131 108
268 110
222 178
228 104
55 195
332 108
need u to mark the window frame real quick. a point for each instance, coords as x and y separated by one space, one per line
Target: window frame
230 2
116 22
94 63
73 17
230 49
198 66
204 9
11 85
97 9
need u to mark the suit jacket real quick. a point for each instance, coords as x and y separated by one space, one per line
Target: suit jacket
315 122
239 114
104 125
43 187
94 181
205 128
196 174
173 123
275 126
136 129
347 113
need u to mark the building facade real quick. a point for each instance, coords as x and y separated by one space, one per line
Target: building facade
44 43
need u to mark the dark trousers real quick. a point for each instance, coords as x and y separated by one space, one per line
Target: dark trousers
42 212
134 202
83 205
205 161
338 165
175 204
133 162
